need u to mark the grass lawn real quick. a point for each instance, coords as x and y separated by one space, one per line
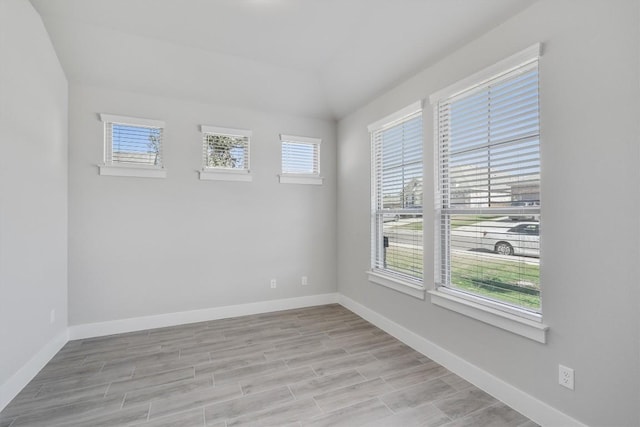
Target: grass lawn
505 280
416 225
461 220
456 221
404 260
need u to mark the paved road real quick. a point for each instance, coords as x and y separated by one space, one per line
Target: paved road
399 234
465 238
493 256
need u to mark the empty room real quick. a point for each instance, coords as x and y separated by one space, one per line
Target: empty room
320 213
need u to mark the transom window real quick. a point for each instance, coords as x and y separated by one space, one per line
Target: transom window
300 160
133 147
132 141
300 155
225 148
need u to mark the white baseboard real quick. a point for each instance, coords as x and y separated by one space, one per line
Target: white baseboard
26 373
522 402
90 330
21 378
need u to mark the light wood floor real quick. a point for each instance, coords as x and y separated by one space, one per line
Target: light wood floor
318 366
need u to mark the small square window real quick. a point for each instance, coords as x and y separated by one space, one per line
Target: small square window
225 154
300 160
132 146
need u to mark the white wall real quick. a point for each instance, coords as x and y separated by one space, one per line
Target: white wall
141 246
590 152
33 191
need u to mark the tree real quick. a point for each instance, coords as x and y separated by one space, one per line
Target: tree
219 150
154 146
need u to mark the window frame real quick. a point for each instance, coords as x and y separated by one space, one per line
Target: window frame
508 317
313 178
111 168
220 173
405 284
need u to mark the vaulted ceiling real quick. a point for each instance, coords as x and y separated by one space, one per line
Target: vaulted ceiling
318 58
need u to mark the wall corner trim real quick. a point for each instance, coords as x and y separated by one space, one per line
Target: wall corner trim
99 329
10 389
538 411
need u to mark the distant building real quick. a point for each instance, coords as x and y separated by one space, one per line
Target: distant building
476 187
412 194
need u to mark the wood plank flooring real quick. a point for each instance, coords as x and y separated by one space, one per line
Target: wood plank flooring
318 366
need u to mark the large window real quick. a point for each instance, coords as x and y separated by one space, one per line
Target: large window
132 146
488 189
397 195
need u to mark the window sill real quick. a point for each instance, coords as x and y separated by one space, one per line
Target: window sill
451 300
397 284
225 175
301 179
132 171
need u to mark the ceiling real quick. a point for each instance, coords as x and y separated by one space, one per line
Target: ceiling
317 58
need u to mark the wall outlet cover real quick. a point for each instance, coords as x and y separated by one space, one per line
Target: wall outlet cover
566 377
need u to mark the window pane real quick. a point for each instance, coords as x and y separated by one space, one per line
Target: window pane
493 145
496 257
299 158
225 151
401 165
402 244
397 244
489 161
496 176
135 144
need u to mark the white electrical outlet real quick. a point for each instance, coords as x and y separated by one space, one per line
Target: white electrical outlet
52 316
273 283
305 282
565 377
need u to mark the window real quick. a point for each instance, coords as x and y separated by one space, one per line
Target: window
132 147
397 194
488 188
300 160
225 154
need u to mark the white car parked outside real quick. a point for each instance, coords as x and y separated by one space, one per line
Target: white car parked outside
521 239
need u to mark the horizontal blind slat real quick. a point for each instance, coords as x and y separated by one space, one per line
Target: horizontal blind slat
300 158
223 151
397 198
133 145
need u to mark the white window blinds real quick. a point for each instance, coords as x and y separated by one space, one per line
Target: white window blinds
300 155
397 195
488 190
225 148
132 141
